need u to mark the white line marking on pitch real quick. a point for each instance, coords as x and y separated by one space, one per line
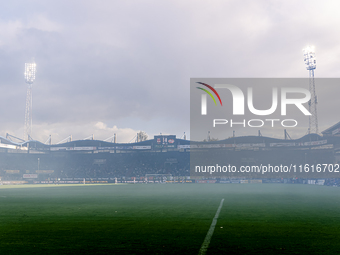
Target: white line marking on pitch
206 241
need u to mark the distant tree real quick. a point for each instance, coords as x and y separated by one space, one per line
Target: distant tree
142 136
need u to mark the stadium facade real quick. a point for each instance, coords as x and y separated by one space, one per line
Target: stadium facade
33 161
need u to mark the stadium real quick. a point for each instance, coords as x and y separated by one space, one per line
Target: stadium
97 197
118 67
156 196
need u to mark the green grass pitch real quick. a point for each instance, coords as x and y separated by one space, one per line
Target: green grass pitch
169 219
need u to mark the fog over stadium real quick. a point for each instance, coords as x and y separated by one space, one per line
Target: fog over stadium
119 67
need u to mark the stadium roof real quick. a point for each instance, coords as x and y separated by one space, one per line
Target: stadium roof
151 142
330 130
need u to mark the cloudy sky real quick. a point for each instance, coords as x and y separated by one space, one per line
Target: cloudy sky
107 67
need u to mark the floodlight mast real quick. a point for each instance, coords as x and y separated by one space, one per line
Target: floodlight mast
310 61
30 69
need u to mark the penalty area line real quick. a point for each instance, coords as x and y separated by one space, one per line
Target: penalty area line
206 241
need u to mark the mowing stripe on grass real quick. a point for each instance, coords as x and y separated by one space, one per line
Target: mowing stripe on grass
206 241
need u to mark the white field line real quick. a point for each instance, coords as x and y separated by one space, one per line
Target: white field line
206 241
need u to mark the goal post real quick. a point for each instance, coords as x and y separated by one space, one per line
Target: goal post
158 178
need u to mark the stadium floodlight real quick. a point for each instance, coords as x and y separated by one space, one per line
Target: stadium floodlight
30 69
310 62
309 57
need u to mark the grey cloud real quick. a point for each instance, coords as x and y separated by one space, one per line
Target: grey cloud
115 61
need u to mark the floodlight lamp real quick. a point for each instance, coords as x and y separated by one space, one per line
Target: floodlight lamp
309 57
30 69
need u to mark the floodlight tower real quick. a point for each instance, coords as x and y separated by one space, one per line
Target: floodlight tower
30 69
310 61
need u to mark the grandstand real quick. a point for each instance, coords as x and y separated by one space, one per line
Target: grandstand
333 132
95 160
